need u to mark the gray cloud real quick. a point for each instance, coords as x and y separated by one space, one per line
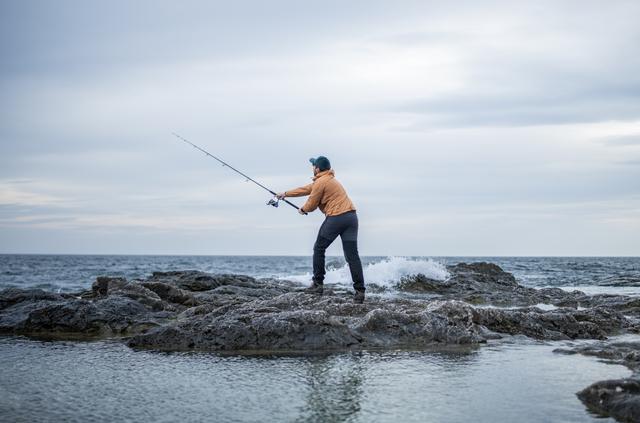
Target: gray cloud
517 90
72 37
525 109
495 103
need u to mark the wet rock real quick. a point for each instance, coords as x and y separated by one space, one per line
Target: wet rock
421 284
77 317
485 283
379 323
482 273
171 294
12 296
619 399
193 280
104 284
627 305
627 353
394 328
552 325
298 321
142 295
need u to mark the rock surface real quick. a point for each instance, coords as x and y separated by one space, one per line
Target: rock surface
619 399
488 284
191 310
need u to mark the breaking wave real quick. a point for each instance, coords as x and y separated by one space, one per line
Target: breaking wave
385 273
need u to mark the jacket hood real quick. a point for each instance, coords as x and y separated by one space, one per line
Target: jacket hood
329 172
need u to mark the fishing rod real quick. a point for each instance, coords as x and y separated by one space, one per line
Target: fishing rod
273 202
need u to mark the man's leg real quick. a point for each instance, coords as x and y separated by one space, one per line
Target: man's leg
350 249
326 235
349 238
319 249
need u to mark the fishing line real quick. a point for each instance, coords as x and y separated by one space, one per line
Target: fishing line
272 202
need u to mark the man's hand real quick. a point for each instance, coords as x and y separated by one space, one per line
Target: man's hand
280 195
301 211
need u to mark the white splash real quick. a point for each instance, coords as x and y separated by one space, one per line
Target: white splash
386 272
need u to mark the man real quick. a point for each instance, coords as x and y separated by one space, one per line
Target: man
328 194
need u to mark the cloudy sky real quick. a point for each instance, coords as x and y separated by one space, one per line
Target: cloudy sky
458 128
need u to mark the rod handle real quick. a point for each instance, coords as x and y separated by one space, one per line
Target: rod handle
292 205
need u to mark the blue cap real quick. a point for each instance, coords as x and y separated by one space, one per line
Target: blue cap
321 162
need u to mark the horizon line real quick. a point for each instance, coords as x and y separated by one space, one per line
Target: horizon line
310 255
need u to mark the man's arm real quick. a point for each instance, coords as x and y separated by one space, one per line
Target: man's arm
298 192
314 198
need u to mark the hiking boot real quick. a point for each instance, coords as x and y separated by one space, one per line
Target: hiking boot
315 288
358 298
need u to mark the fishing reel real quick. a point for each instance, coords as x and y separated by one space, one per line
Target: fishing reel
275 201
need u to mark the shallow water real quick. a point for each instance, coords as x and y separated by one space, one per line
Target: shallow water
98 381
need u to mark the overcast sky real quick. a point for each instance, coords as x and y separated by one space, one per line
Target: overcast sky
457 128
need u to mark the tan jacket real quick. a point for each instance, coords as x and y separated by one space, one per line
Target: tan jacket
325 192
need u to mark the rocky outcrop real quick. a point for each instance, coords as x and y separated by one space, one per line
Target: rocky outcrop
299 321
487 283
619 352
39 314
628 305
191 310
619 399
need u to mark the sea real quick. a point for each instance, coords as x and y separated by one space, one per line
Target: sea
514 379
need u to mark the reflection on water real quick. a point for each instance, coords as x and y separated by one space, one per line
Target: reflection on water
335 389
73 381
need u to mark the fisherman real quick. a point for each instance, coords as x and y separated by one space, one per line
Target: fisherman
341 219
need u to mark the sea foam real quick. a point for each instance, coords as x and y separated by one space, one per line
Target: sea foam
386 272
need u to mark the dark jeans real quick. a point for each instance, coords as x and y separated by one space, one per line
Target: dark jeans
345 225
